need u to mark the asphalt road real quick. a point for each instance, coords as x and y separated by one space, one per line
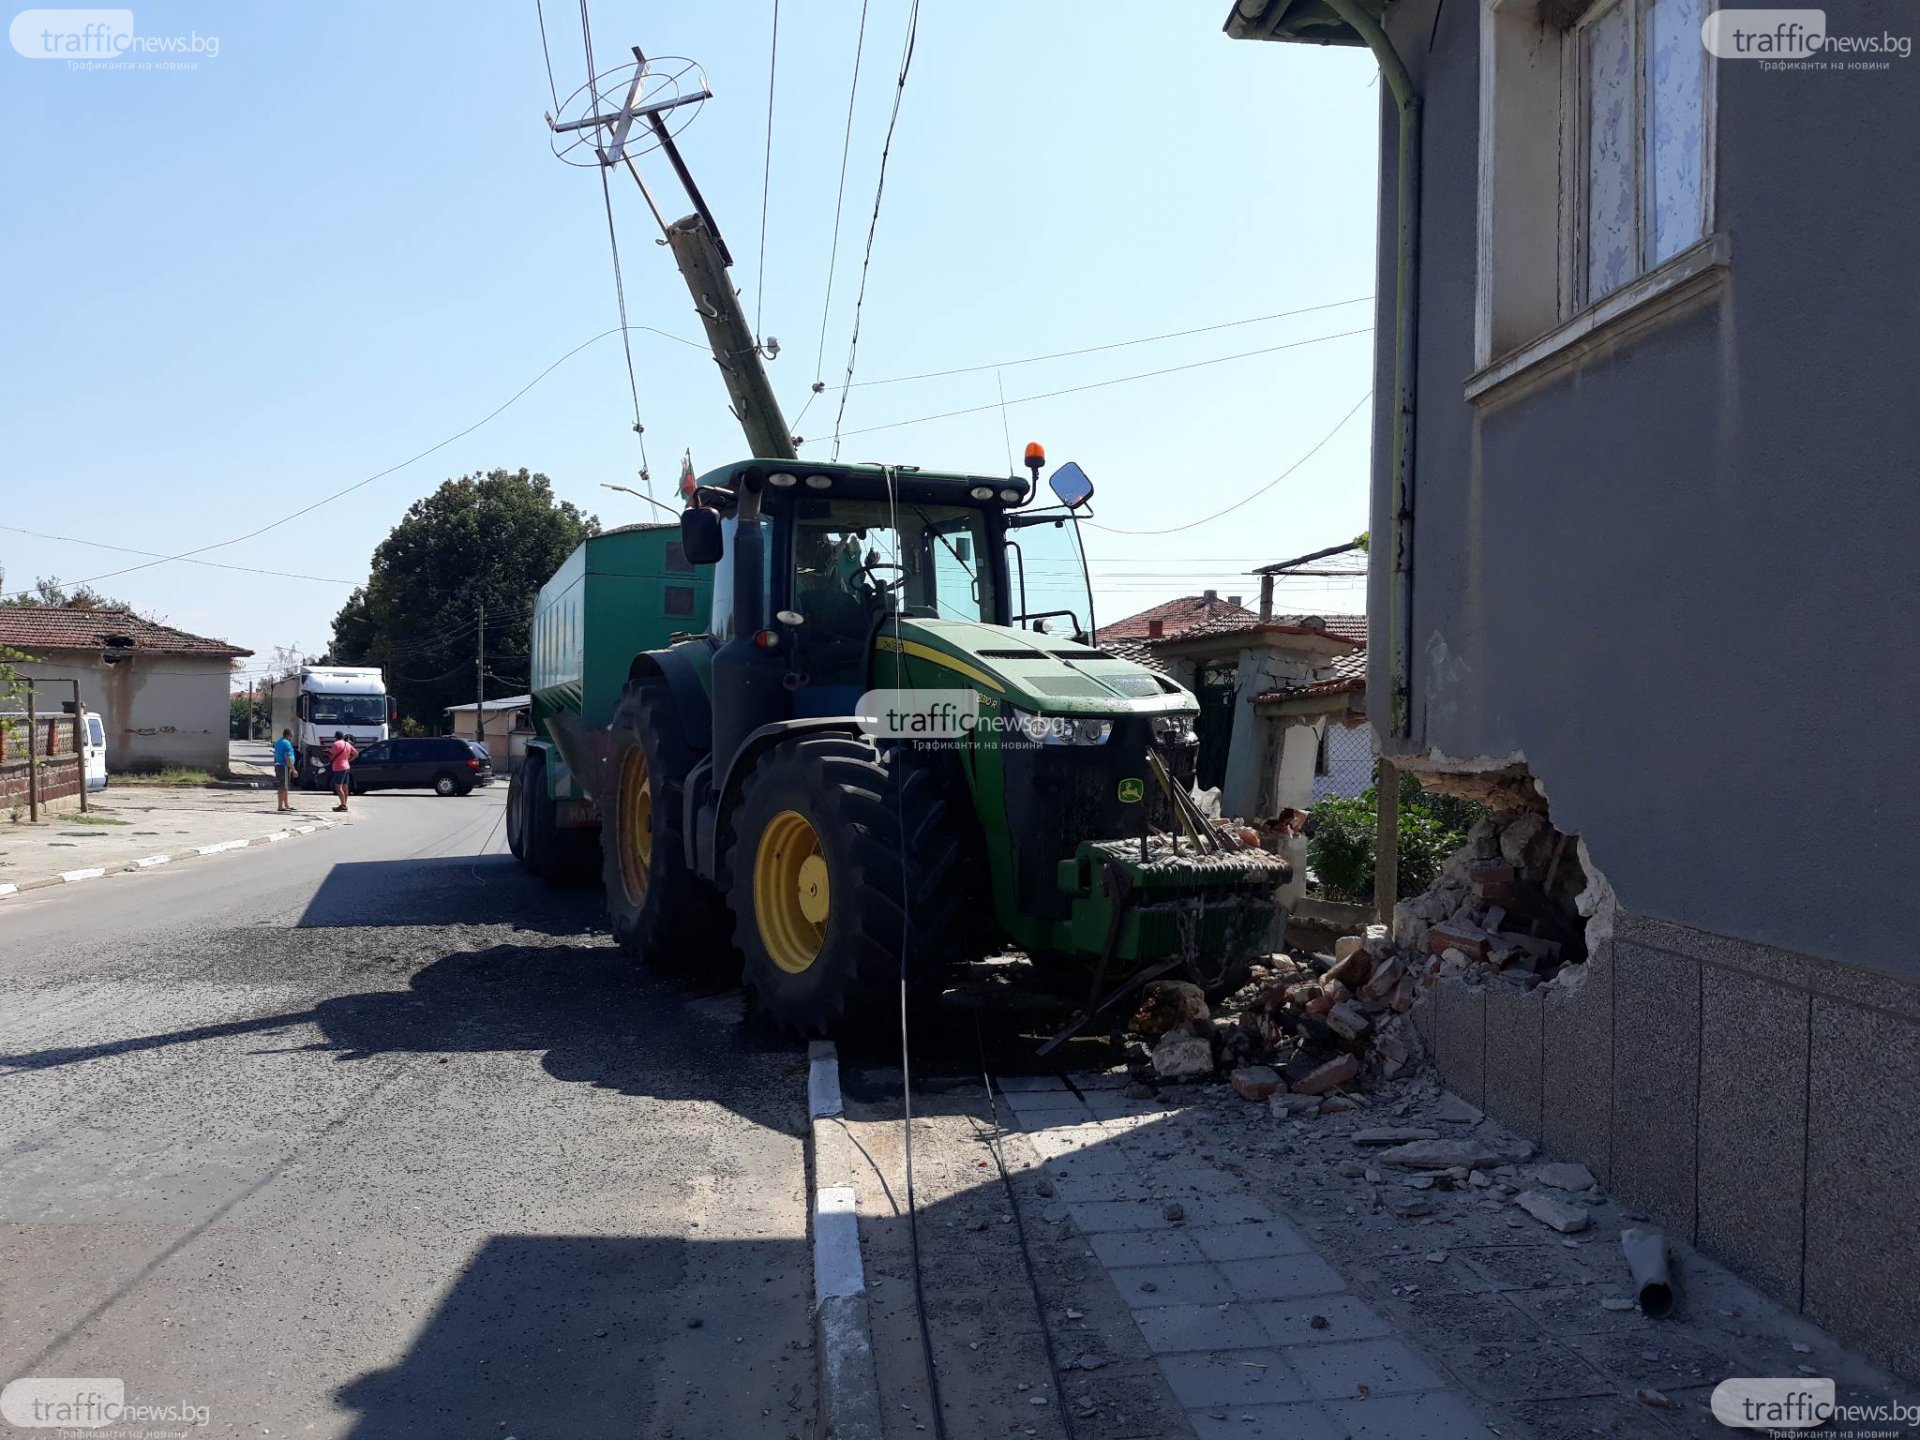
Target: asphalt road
367 1134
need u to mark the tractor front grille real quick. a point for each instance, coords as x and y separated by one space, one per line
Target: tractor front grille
1060 795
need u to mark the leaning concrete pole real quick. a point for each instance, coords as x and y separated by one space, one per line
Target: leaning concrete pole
697 253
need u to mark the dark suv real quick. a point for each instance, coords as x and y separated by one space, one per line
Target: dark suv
443 764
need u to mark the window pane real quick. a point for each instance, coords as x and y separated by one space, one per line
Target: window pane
1675 84
1612 246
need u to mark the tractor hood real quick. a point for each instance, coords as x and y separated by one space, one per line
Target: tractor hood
1038 673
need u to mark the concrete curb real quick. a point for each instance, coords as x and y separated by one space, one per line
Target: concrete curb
849 1406
148 862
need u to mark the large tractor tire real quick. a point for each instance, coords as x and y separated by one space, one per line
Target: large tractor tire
539 837
837 858
516 817
661 910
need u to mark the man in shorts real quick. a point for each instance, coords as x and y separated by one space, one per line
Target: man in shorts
284 768
340 756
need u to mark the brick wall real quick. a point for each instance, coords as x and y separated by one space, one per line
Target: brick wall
59 780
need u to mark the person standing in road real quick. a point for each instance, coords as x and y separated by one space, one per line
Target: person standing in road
283 768
340 759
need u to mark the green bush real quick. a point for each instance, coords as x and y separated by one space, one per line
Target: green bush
1341 851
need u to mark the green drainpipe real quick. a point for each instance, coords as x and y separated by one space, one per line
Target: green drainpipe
1406 313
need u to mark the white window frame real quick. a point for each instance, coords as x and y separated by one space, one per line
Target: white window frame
1531 270
1576 155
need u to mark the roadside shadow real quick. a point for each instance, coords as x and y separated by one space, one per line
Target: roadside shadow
452 890
600 1020
594 1335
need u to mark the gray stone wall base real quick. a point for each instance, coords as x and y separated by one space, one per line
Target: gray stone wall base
1760 1104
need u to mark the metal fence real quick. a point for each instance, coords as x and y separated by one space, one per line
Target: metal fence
1343 768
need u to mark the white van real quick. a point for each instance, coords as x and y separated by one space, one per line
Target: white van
93 753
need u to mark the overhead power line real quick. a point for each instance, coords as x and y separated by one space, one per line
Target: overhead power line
839 198
1114 345
1117 380
159 555
766 178
1255 495
545 54
873 224
491 415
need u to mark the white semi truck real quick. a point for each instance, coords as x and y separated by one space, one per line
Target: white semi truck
319 701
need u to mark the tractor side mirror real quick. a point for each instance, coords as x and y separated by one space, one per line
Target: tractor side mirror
700 537
1071 484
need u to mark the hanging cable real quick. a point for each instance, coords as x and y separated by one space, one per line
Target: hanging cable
626 342
906 1065
438 445
157 555
540 13
873 224
766 178
1117 380
1114 345
839 197
1245 499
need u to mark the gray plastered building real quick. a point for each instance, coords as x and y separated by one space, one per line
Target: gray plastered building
1657 552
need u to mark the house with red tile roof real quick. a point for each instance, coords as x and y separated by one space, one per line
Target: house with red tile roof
162 693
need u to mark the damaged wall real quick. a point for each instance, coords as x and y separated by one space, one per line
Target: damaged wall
1658 575
1662 573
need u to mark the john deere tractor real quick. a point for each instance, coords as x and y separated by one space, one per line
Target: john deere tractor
895 748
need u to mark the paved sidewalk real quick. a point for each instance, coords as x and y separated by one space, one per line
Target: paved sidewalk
130 827
1266 1265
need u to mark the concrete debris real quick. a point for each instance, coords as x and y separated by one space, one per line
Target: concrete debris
1565 1176
1322 1078
1348 1020
1452 1110
1552 1211
1393 1135
1407 1204
1285 1105
1255 1082
1183 1057
1439 1154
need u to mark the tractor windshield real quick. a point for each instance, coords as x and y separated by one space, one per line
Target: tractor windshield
858 560
1049 578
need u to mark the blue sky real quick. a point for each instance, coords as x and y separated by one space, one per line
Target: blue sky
237 288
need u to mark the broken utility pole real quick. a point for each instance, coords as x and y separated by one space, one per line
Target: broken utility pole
698 251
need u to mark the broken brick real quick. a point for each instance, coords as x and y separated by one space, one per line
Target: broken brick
1470 940
1255 1082
1348 1020
1322 1078
1492 884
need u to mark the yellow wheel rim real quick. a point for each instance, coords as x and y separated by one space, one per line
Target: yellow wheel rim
636 823
792 899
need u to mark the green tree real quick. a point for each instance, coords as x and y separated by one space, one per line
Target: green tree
1341 852
492 539
49 593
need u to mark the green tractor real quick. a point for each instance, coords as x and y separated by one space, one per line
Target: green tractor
896 748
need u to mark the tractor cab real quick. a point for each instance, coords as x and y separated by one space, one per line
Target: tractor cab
844 553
